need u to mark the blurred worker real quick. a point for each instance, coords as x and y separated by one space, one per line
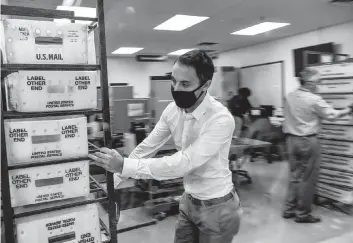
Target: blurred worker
239 105
262 129
202 129
303 111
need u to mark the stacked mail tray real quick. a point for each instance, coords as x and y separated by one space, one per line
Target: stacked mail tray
336 136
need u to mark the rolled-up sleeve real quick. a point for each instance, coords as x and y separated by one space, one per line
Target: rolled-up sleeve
216 134
324 110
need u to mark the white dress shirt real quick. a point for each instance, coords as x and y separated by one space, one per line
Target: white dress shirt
203 140
303 112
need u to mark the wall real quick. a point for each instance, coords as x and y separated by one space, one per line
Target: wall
282 50
128 70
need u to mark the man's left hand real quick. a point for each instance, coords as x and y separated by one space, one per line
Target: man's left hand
108 159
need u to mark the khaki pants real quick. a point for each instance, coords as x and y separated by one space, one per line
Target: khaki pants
304 160
218 223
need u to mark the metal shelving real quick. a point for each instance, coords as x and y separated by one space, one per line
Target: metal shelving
108 195
335 177
16 115
49 67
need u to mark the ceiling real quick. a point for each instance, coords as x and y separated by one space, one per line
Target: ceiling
131 22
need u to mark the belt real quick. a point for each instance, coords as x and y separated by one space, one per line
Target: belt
213 201
304 136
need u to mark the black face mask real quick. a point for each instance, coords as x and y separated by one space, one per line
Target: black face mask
185 99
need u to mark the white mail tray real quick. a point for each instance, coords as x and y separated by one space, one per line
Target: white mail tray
336 132
336 147
338 100
344 120
49 183
38 91
335 177
337 193
46 139
344 69
44 42
335 85
337 162
73 225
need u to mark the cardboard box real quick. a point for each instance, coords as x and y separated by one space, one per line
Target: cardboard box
336 147
344 69
335 86
337 162
334 177
336 132
344 120
44 42
338 100
49 183
46 139
335 192
43 91
79 225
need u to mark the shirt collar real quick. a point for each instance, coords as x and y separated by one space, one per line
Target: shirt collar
304 89
201 109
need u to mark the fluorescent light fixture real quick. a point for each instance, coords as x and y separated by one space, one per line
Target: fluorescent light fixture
127 50
79 12
180 22
179 52
260 28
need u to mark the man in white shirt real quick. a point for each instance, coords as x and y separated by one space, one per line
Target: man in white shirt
202 130
303 112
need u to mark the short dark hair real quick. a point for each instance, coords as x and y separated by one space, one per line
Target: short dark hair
202 63
245 92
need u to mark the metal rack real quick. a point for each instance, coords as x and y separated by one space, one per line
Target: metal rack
336 168
106 196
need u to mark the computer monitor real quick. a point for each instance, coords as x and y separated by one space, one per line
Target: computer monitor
135 109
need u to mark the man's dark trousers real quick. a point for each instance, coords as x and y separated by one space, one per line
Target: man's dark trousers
304 163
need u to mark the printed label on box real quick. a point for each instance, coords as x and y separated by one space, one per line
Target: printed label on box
49 183
46 140
43 91
79 224
45 42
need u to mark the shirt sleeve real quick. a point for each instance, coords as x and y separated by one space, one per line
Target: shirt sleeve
216 135
324 110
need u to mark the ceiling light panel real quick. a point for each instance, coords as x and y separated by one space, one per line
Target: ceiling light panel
179 52
127 50
180 22
260 28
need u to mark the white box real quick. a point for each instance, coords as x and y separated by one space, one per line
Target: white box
338 100
336 147
334 177
38 91
49 183
336 132
336 162
344 120
344 69
335 192
44 42
46 139
73 225
335 86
